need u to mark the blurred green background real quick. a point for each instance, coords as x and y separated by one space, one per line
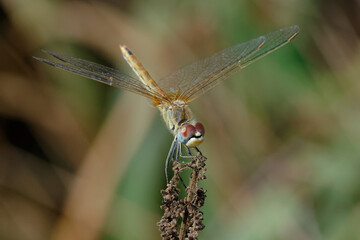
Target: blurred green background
81 160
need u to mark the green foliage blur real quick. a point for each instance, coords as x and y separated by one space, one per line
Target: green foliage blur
81 160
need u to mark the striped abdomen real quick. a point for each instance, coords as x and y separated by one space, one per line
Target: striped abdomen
140 71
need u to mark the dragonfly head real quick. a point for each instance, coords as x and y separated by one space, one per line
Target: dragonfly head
191 135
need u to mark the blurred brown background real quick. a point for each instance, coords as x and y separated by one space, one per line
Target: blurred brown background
81 160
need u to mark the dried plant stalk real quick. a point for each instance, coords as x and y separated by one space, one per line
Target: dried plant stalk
182 218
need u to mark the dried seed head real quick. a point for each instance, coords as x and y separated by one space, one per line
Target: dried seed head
187 209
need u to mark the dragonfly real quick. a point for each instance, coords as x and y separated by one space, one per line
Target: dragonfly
172 94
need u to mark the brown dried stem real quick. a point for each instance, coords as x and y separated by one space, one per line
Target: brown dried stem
187 210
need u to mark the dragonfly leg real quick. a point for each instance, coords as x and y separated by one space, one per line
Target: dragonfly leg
190 155
198 150
178 150
189 151
174 149
182 181
170 156
174 154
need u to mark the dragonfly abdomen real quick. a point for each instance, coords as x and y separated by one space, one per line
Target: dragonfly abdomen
140 71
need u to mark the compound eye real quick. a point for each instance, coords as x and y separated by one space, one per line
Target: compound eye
187 131
200 128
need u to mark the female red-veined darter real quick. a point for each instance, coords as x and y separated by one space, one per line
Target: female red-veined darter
172 93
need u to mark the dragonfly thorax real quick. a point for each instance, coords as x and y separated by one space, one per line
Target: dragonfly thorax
175 114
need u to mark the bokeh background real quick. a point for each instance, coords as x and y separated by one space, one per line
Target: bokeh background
81 160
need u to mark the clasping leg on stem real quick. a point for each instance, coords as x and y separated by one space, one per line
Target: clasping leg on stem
176 148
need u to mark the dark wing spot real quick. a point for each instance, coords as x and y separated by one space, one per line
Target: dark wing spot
129 52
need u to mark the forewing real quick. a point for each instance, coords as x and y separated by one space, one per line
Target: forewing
198 73
273 41
99 73
195 79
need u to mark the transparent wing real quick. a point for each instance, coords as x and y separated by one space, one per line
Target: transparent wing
195 79
100 73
